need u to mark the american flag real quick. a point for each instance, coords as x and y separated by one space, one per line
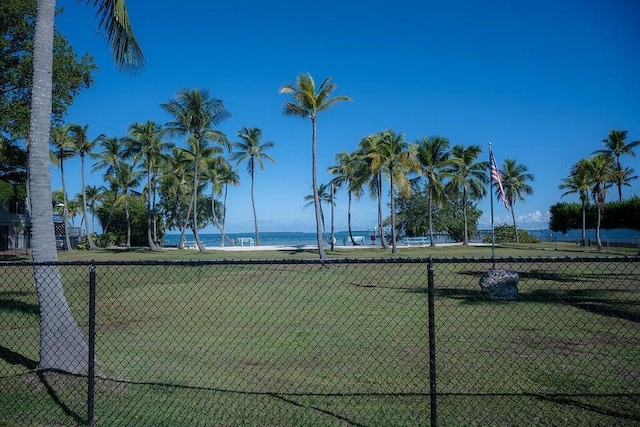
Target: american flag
495 175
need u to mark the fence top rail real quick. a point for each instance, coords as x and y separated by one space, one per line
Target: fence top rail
427 260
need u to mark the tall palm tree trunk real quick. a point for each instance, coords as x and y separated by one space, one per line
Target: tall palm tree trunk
65 210
194 198
316 196
599 245
253 205
583 234
394 248
92 245
62 343
515 228
432 241
383 240
353 242
464 215
333 239
152 244
126 211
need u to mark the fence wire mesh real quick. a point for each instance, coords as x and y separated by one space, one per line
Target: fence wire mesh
309 343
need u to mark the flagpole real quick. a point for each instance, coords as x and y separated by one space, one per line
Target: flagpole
493 236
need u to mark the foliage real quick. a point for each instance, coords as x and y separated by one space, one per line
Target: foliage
505 234
13 172
568 216
118 227
70 73
450 217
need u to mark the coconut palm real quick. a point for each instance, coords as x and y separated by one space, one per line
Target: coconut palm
83 147
108 157
62 343
601 172
347 171
371 174
145 142
393 156
324 193
217 173
229 176
194 114
579 182
434 160
251 150
306 102
468 176
92 195
126 179
514 182
616 146
174 190
63 148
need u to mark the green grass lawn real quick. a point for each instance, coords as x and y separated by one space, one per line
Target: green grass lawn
340 344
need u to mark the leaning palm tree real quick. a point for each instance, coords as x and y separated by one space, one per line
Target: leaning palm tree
347 170
174 190
145 141
617 146
434 159
251 150
579 182
62 342
194 114
108 157
601 171
393 155
228 176
514 181
92 195
84 146
306 102
63 148
468 175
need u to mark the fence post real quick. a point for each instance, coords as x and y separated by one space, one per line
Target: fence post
92 345
432 346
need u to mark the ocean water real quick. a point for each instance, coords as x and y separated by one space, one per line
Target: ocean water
268 238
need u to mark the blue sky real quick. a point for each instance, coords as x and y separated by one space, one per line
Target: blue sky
544 81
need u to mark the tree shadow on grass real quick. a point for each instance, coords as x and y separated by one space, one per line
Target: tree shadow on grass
61 379
7 303
597 301
574 402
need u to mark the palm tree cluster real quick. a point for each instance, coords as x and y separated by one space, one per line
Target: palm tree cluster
170 179
429 162
596 174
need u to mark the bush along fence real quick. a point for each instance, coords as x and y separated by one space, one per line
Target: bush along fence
350 342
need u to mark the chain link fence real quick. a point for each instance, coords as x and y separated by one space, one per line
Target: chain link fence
350 342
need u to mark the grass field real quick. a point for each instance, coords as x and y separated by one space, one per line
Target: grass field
280 343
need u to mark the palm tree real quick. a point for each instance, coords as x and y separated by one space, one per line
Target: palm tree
579 182
63 148
348 171
145 141
601 172
174 186
371 173
324 193
306 102
125 179
229 176
392 154
92 195
217 172
108 159
514 181
434 159
616 146
194 114
250 149
62 342
469 176
83 147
